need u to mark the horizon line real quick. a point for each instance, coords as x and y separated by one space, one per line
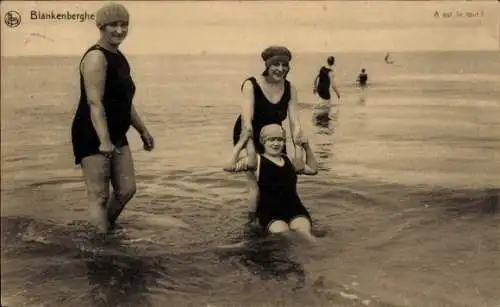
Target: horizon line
252 53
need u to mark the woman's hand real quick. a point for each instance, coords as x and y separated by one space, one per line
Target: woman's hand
298 137
303 141
107 149
147 141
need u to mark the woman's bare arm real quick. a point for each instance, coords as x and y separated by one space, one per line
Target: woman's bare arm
295 129
246 121
315 84
298 159
311 167
334 84
293 114
94 76
137 122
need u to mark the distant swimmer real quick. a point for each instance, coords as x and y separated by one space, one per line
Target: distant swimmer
386 59
279 208
322 84
362 78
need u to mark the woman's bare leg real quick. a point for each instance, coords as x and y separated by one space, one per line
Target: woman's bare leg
279 227
96 173
302 226
123 181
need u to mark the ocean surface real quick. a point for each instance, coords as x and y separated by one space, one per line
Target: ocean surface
406 200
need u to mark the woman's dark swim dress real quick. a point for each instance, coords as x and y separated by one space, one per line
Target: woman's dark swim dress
264 113
119 91
363 77
278 198
323 88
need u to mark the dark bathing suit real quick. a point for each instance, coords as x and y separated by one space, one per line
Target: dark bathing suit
119 91
362 79
323 88
264 113
278 198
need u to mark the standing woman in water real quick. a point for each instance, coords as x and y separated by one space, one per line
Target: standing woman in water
267 99
104 115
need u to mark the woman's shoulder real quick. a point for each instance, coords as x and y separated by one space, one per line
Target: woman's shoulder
251 80
94 57
248 83
94 49
94 53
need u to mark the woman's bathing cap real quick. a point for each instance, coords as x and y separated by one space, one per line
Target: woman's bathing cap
110 13
272 130
274 54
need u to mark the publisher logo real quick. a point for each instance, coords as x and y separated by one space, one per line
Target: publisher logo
12 19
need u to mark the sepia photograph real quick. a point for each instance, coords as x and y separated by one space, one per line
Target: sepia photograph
224 153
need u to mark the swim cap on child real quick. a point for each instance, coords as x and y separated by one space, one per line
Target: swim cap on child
110 13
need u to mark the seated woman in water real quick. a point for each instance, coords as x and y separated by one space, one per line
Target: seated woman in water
279 208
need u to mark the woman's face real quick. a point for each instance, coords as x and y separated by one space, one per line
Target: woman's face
115 32
277 71
273 145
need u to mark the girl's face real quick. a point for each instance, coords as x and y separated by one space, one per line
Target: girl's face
273 144
115 32
277 71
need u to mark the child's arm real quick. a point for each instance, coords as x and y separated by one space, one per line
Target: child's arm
238 165
311 165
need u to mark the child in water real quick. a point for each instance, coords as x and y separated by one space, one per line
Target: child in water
279 208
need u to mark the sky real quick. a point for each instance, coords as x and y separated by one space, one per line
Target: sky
246 27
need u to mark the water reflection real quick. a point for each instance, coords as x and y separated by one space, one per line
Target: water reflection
362 94
269 257
121 279
322 120
325 126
